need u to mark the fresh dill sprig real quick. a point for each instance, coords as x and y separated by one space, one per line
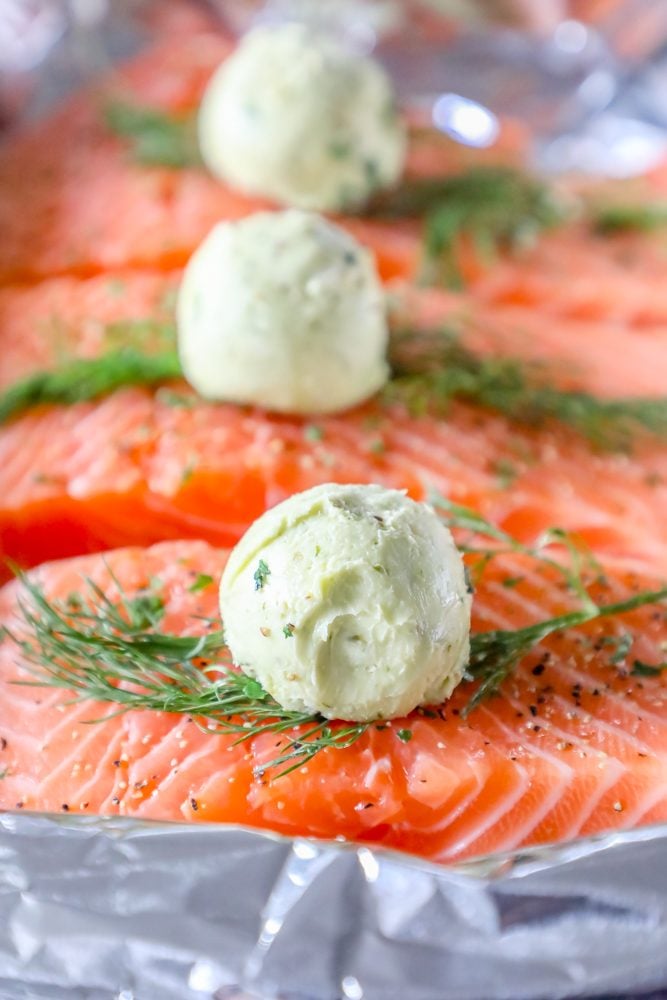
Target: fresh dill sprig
114 652
629 218
494 655
156 138
261 574
434 367
641 669
486 541
88 378
495 207
430 368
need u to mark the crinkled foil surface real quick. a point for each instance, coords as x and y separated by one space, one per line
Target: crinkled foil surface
115 909
103 909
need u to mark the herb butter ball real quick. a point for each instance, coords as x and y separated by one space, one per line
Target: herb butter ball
350 601
295 116
283 310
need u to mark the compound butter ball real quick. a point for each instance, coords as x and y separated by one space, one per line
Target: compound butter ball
293 115
350 601
283 310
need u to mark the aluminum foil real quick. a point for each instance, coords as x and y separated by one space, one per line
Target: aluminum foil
116 909
93 908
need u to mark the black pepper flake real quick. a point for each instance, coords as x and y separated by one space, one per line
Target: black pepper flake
455 711
538 670
3 743
369 805
65 807
194 804
115 800
533 710
116 763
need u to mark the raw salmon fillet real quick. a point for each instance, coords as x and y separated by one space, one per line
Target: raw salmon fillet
141 466
107 237
574 745
135 468
72 201
572 272
42 326
92 248
93 209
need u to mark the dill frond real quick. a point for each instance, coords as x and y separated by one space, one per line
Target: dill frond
629 218
155 138
82 379
494 655
431 368
496 207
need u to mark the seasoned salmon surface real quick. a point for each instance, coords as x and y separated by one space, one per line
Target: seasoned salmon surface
144 464
92 251
575 743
